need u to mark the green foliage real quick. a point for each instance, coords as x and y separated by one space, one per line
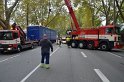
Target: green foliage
41 12
76 2
84 15
1 9
53 14
87 17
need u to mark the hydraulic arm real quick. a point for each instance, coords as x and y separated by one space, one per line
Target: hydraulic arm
22 33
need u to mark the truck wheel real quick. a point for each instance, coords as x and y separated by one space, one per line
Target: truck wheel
82 45
2 52
90 45
104 46
18 49
74 44
32 46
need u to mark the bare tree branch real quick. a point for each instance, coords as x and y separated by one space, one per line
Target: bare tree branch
119 8
2 23
55 15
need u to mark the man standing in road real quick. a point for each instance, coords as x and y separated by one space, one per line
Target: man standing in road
45 51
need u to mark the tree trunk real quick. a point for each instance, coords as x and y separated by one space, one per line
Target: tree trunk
5 23
2 24
1 9
1 14
119 8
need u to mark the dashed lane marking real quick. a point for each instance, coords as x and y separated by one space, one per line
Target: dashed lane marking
25 78
101 75
9 58
84 55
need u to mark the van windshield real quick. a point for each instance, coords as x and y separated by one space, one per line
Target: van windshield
5 36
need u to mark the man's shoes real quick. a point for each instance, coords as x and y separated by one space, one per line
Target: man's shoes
42 65
47 66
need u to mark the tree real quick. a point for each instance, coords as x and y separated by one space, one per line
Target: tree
84 13
4 22
103 8
48 13
120 5
1 14
111 12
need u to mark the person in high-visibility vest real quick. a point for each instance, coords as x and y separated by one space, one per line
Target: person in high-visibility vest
68 39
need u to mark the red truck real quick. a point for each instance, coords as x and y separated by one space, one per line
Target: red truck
103 37
14 40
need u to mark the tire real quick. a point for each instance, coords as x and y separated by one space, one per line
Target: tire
74 44
18 49
90 45
82 45
104 46
2 52
32 46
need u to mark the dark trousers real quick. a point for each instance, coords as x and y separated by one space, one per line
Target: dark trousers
45 58
68 43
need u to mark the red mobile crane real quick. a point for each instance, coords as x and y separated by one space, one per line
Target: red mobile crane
104 37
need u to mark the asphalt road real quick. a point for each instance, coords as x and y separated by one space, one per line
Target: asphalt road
66 65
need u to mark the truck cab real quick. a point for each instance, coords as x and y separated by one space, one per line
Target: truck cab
9 40
111 34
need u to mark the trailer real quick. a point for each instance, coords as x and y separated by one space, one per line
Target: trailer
37 32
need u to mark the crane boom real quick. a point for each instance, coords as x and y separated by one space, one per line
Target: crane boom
22 33
71 12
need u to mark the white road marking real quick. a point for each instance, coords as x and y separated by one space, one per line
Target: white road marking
114 55
84 54
25 78
54 51
101 75
9 58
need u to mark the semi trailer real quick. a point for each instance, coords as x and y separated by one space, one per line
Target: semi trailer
36 32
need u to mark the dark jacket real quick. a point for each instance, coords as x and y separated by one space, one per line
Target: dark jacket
46 45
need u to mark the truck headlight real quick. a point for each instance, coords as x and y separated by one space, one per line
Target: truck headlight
9 49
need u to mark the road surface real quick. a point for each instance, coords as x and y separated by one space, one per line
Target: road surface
66 65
